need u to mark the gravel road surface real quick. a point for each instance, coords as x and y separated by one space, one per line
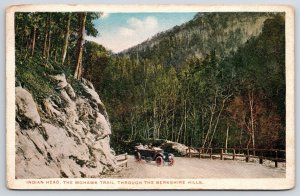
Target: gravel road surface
200 168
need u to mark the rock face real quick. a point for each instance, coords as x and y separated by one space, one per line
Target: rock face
26 108
68 136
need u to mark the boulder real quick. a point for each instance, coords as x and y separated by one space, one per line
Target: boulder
176 148
26 109
61 80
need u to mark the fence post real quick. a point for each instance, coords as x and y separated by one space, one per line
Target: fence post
126 160
221 153
210 153
261 156
233 155
199 153
247 157
190 152
276 159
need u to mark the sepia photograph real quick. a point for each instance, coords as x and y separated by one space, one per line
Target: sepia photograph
152 97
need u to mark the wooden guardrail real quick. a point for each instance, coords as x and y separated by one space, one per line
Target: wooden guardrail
275 155
122 159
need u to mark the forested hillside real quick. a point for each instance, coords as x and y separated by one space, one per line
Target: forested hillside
216 81
54 37
222 32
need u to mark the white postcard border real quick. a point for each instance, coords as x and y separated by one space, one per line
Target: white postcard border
224 183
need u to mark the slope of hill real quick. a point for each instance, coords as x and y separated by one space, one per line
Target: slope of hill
218 80
61 131
221 32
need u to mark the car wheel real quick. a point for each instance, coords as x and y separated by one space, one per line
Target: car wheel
159 161
171 161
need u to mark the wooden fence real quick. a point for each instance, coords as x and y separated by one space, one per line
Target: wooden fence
122 159
232 153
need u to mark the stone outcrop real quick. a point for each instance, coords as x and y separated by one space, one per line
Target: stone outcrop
67 136
26 108
176 148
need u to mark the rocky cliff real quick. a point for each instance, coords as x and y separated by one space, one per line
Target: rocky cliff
66 136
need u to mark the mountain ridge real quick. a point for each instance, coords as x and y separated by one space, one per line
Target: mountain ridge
222 32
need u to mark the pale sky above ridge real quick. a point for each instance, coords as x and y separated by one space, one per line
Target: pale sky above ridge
119 31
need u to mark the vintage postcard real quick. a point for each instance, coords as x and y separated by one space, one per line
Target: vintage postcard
147 97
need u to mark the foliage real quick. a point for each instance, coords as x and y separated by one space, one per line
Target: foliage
215 81
33 76
198 98
222 32
52 36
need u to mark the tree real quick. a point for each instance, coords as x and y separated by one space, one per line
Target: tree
80 41
66 42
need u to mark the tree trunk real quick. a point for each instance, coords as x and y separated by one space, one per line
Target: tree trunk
249 141
131 137
33 41
172 129
45 44
216 124
154 119
212 110
241 137
66 43
78 67
179 132
251 105
202 126
226 140
55 55
47 36
28 45
49 45
185 125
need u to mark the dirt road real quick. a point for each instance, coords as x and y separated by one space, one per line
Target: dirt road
200 168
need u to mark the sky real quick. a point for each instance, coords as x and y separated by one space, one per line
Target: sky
119 31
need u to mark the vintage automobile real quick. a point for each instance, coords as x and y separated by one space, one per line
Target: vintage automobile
153 154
